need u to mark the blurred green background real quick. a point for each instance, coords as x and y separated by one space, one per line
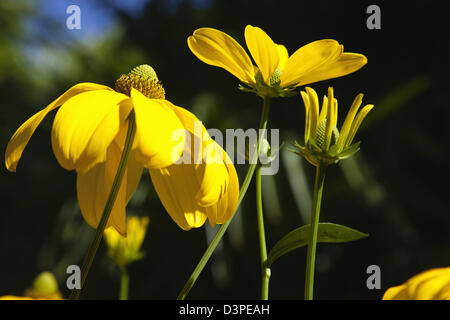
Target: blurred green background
394 189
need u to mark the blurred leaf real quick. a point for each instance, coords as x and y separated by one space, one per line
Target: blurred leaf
397 98
297 179
327 232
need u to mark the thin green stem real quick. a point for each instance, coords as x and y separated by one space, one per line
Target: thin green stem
312 244
265 272
90 255
243 189
124 284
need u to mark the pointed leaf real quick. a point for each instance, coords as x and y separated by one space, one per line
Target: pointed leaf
327 232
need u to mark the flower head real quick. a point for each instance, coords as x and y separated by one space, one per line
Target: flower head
276 72
323 141
125 250
45 287
88 136
433 284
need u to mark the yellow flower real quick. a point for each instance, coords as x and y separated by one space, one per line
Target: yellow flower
44 287
275 73
323 142
88 136
433 284
125 250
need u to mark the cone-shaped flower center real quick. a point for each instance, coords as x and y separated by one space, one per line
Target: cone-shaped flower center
142 78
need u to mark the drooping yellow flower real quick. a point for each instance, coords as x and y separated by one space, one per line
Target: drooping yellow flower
323 141
45 287
125 250
88 136
276 72
433 284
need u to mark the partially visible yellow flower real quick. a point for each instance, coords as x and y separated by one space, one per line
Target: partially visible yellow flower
44 287
276 72
88 136
433 284
323 141
125 250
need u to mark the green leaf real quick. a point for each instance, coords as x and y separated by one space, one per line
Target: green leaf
327 232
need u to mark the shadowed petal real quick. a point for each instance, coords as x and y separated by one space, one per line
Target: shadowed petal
176 187
199 150
94 186
224 209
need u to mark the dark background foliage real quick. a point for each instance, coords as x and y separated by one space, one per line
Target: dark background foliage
394 189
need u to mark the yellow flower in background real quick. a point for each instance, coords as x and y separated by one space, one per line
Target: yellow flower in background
433 284
125 250
276 72
45 287
88 136
323 141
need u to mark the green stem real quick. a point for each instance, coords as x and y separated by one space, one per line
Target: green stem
312 244
90 255
243 189
124 284
265 272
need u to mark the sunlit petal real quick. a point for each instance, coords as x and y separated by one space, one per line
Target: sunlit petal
156 128
344 65
216 48
76 124
308 58
21 137
263 50
283 56
433 284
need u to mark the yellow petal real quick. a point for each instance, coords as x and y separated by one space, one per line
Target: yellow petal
212 175
396 293
263 50
93 188
200 149
314 101
21 137
107 130
224 209
10 297
433 284
345 64
157 126
192 191
283 56
93 115
357 122
218 49
307 115
177 187
331 117
345 131
307 59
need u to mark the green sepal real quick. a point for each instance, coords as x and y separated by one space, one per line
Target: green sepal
347 153
299 237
